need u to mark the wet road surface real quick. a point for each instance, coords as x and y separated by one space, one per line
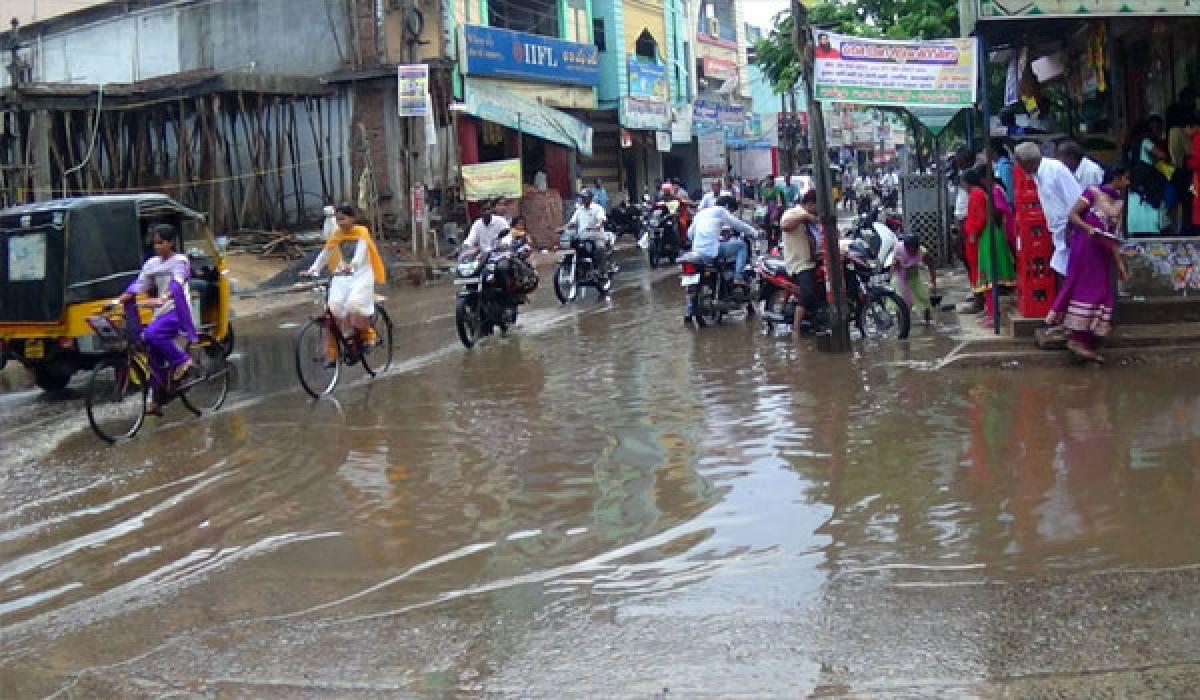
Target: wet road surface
607 504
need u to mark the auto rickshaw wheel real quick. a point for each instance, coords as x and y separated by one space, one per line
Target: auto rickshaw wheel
51 378
227 341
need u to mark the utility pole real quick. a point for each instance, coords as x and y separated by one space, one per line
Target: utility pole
839 334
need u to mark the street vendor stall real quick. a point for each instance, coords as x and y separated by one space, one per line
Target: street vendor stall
1096 73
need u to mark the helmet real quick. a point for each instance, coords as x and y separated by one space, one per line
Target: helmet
667 188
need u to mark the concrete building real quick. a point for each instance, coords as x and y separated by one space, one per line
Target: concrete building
218 104
29 11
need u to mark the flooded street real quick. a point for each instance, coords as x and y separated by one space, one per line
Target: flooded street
609 504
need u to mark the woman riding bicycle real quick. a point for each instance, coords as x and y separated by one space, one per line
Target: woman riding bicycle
167 274
357 267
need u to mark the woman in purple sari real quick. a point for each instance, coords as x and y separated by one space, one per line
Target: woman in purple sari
1084 306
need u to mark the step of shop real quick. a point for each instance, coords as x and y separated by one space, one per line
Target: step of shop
1158 311
1135 336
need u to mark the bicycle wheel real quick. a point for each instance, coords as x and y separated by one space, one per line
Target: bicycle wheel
208 392
378 357
317 371
116 398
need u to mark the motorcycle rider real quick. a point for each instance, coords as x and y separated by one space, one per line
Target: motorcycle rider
487 229
800 226
706 236
588 221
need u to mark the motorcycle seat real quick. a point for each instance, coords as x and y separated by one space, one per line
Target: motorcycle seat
696 258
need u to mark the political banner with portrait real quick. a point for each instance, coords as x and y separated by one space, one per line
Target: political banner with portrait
935 73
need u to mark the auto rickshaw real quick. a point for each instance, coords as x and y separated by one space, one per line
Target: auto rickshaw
63 260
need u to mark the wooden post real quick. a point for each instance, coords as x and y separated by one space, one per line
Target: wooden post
39 146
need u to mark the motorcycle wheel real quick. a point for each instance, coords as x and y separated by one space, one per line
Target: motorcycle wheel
654 253
467 320
774 302
566 285
884 316
705 303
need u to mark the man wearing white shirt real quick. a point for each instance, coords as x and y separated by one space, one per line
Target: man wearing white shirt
487 229
588 220
1088 173
1058 191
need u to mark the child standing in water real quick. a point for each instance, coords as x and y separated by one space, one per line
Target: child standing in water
910 257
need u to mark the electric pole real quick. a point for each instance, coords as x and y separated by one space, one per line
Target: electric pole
839 334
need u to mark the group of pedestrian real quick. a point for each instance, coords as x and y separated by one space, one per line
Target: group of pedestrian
1083 204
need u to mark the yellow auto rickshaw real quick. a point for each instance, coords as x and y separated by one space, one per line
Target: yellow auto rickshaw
63 260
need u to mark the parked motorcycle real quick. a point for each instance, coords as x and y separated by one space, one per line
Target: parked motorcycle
710 285
490 287
875 311
579 268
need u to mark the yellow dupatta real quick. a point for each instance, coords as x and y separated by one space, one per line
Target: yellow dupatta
356 233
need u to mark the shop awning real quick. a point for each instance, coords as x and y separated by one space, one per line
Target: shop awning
509 109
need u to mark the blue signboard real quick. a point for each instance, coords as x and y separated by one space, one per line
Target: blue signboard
501 53
647 79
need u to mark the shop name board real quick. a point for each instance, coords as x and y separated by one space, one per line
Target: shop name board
1074 8
713 116
647 79
639 113
719 69
501 53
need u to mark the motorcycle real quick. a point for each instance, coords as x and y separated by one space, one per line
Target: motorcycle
489 291
578 267
663 241
875 311
625 219
709 283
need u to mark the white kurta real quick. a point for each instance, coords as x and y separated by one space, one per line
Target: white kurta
353 293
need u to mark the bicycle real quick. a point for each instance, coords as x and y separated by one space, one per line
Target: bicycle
319 373
121 381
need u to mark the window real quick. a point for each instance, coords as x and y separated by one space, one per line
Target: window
532 16
598 34
720 14
646 47
578 29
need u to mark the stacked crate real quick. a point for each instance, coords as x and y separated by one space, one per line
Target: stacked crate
1035 247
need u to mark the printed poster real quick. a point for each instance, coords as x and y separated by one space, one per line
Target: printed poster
499 178
712 153
413 90
939 73
27 258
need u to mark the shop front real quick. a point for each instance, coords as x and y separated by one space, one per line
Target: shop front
1098 73
646 135
515 89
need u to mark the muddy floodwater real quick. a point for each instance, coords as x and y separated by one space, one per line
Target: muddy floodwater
607 504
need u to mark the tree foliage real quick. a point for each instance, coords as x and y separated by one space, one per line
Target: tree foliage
890 19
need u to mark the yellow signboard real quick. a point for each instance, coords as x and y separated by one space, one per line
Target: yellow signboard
499 178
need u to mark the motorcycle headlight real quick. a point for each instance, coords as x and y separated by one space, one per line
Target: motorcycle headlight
468 269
